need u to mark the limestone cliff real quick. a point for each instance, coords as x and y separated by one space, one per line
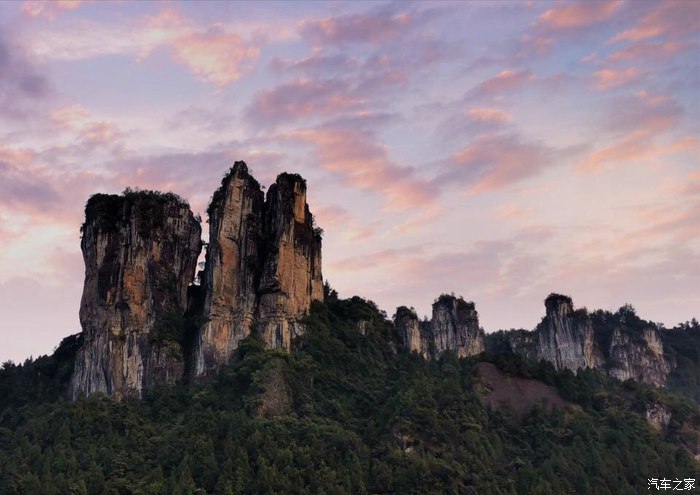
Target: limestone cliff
455 326
291 275
140 251
620 344
263 266
565 339
232 268
413 334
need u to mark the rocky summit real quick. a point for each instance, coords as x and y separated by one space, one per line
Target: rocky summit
145 322
142 327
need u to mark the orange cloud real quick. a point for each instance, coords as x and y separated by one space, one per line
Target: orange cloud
578 15
217 57
605 79
47 8
495 162
672 18
504 81
363 163
635 147
489 115
650 51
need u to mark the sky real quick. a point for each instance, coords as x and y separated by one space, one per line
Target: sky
497 150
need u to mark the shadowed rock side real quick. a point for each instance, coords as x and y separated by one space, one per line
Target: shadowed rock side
565 339
263 266
291 275
572 339
140 251
232 267
454 326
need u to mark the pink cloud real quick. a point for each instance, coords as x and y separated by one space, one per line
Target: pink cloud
372 27
50 9
634 147
605 79
646 114
639 120
495 162
504 81
362 162
579 14
670 18
489 115
302 98
215 56
650 51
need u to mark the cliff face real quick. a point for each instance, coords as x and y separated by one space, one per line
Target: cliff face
263 266
140 251
620 345
638 359
566 340
413 335
232 268
454 326
291 276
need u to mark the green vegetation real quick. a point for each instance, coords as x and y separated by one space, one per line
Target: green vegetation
358 418
108 211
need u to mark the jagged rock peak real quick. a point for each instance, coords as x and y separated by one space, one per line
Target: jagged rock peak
263 265
232 268
140 251
455 326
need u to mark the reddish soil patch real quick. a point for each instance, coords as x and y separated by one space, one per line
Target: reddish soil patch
516 392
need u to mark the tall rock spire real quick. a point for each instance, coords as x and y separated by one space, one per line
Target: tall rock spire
140 251
232 269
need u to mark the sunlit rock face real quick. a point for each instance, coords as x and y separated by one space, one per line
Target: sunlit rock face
619 344
455 326
291 272
414 334
636 357
566 339
232 269
263 266
140 251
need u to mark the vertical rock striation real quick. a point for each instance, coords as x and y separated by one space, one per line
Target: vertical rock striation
455 326
566 339
621 345
140 251
232 268
263 266
291 275
413 336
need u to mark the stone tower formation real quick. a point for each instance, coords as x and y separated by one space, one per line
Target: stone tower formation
140 325
144 322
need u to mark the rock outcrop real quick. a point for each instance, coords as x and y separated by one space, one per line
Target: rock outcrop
454 326
263 266
140 251
566 339
291 275
621 345
414 336
232 268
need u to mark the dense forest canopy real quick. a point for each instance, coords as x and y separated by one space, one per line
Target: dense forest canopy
343 413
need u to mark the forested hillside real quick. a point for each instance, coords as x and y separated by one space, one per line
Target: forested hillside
347 412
